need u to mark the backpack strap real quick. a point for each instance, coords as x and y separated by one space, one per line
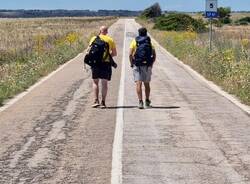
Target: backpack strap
107 54
96 37
139 39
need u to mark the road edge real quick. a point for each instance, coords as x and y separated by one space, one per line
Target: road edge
233 99
19 96
210 84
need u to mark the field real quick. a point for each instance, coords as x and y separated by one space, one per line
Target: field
20 33
233 32
32 48
234 16
228 64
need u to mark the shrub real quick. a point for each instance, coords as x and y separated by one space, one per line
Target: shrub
179 22
243 21
224 15
152 11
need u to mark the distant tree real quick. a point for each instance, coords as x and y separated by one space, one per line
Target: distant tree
224 14
243 21
152 11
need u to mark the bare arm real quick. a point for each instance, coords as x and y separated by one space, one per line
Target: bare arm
131 56
113 52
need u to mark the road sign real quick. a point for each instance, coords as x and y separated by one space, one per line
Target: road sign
211 5
211 14
211 8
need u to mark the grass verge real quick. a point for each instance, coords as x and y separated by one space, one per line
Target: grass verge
42 48
228 65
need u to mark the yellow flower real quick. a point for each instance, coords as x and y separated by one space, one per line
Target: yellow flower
245 43
39 43
71 38
229 56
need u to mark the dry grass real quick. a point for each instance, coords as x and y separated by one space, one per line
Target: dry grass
31 48
16 34
236 16
233 32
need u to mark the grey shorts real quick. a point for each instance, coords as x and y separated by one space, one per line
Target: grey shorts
142 73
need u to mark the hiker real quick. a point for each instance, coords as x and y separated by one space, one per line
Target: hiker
142 57
103 70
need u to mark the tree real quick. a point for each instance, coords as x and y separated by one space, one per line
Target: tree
152 11
224 15
179 22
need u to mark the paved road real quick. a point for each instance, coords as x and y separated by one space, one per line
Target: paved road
192 135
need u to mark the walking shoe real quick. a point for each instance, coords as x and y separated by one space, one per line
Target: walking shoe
96 104
140 106
103 105
147 103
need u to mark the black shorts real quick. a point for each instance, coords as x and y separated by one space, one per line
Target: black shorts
102 72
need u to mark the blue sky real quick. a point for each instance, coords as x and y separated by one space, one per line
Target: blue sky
179 5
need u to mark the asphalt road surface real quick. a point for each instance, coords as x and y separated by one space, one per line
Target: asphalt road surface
191 135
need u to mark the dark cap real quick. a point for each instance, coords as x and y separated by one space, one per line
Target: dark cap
142 31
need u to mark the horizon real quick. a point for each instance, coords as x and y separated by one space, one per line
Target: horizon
111 10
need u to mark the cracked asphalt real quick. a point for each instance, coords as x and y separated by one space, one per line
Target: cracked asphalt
191 135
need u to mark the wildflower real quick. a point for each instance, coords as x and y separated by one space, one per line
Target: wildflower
71 38
245 43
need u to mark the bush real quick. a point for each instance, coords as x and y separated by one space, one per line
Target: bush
224 15
179 22
243 21
217 23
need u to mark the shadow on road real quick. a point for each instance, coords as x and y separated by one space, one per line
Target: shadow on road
165 107
153 107
122 107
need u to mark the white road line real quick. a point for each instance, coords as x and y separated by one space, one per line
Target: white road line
21 95
116 173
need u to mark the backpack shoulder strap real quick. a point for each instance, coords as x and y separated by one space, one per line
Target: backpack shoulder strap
141 39
149 39
137 38
106 45
96 37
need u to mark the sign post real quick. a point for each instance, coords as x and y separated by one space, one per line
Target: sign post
211 12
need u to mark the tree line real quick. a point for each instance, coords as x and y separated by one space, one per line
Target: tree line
64 13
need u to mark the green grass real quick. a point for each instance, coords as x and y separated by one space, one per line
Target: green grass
24 74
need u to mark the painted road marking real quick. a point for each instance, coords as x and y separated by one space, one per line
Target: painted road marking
116 173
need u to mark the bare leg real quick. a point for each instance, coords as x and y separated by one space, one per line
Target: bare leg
104 89
96 88
139 89
147 90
